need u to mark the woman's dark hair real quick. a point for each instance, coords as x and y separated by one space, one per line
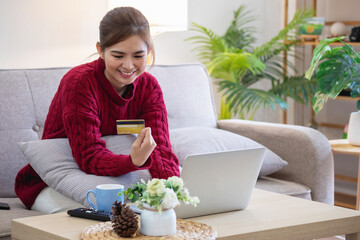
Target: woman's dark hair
121 23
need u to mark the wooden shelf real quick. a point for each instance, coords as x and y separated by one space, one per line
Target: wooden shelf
345 178
331 125
345 200
340 145
314 43
347 98
348 23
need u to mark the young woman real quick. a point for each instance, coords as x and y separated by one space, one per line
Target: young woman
89 100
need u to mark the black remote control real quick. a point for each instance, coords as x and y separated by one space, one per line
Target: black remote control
90 214
4 206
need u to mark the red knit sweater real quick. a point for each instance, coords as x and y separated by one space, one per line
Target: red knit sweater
85 108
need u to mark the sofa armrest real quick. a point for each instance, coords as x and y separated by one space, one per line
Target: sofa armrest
307 151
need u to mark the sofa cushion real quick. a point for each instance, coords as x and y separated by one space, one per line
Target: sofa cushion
11 158
53 161
193 80
25 98
284 187
197 140
17 210
17 120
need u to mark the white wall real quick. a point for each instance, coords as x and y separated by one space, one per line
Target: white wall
217 16
44 33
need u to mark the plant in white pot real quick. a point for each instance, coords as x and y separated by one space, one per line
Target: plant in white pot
158 198
337 69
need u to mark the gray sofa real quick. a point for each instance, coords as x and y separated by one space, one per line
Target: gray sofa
25 96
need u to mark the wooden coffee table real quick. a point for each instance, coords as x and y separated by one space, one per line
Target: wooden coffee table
269 216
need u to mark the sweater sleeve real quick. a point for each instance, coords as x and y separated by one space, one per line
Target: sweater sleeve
164 162
82 127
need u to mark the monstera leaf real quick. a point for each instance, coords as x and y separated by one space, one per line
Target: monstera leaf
336 69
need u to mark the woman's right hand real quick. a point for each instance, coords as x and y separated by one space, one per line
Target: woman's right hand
142 147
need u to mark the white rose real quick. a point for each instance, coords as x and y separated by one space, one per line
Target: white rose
170 199
176 181
195 201
155 187
185 192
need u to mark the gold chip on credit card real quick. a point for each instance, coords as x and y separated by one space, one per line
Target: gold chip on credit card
130 126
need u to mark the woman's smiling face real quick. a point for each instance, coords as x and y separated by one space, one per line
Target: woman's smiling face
124 61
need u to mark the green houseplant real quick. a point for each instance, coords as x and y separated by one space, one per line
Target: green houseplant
337 69
238 65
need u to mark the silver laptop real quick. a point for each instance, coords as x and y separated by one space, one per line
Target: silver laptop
223 181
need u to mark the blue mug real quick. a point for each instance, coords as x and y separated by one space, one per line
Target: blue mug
106 195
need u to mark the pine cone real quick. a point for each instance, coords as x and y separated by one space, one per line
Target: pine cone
124 220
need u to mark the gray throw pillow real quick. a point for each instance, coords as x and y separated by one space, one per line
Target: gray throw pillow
197 140
53 161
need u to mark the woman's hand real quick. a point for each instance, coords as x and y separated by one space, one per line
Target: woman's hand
142 147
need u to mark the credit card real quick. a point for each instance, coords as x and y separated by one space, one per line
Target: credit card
130 126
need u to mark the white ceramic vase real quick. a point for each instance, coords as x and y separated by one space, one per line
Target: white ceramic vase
153 223
353 135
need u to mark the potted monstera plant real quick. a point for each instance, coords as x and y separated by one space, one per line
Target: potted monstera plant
337 69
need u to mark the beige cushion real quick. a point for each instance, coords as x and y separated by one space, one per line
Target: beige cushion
284 187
